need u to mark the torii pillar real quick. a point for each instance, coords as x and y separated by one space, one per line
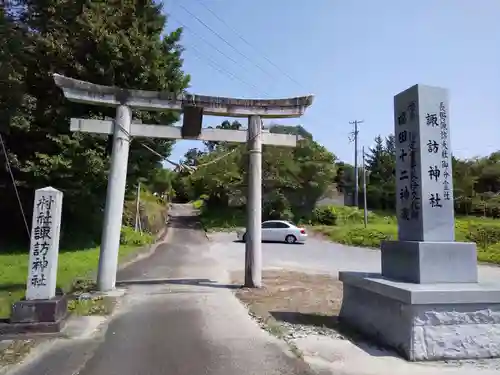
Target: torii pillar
193 107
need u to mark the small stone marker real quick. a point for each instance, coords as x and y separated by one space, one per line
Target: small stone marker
44 247
424 184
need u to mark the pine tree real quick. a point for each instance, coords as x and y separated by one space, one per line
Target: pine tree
381 163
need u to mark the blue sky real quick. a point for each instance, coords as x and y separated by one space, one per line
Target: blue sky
354 56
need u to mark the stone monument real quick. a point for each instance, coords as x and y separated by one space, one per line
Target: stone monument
427 303
42 310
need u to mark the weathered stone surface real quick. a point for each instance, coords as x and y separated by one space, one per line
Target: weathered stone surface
40 311
456 341
44 245
424 187
429 262
462 314
86 92
428 331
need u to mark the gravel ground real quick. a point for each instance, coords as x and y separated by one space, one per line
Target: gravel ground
287 307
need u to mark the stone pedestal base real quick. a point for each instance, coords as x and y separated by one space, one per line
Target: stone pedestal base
429 262
37 316
424 321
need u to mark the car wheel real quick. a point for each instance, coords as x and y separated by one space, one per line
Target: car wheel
290 239
244 238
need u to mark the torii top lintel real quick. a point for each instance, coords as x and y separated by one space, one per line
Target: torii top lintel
90 93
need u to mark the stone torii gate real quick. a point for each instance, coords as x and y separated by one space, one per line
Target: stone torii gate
193 107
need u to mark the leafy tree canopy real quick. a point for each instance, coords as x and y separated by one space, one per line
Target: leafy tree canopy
120 43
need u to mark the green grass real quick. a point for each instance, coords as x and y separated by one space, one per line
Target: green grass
198 204
350 230
97 305
222 219
71 265
349 227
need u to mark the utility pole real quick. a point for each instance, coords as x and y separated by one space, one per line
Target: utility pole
365 208
137 208
354 137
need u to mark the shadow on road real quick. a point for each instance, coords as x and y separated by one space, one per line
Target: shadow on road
196 282
316 320
185 222
368 344
291 244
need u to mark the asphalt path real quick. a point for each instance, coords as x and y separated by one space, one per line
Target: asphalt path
178 317
315 256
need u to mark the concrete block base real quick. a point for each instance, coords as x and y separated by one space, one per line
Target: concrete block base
37 316
424 322
429 262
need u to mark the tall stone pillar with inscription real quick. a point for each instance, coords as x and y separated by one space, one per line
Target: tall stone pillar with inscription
427 302
43 309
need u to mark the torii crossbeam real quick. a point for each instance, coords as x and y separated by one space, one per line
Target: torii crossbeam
193 107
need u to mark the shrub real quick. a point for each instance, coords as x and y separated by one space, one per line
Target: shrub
324 216
484 234
222 218
336 215
490 254
198 204
129 237
371 236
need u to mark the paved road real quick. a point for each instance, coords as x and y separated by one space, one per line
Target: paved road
186 325
316 255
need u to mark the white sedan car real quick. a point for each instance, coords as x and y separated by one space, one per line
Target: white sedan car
278 231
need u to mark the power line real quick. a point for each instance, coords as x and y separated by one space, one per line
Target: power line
179 165
213 63
250 45
231 75
224 40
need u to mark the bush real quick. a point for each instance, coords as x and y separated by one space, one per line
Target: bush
337 215
222 218
129 237
358 235
198 204
324 216
490 254
483 234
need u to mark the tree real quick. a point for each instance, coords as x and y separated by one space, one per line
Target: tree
117 43
161 182
381 162
293 179
476 182
235 125
191 157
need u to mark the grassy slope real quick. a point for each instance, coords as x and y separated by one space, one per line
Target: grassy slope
485 232
72 264
82 263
